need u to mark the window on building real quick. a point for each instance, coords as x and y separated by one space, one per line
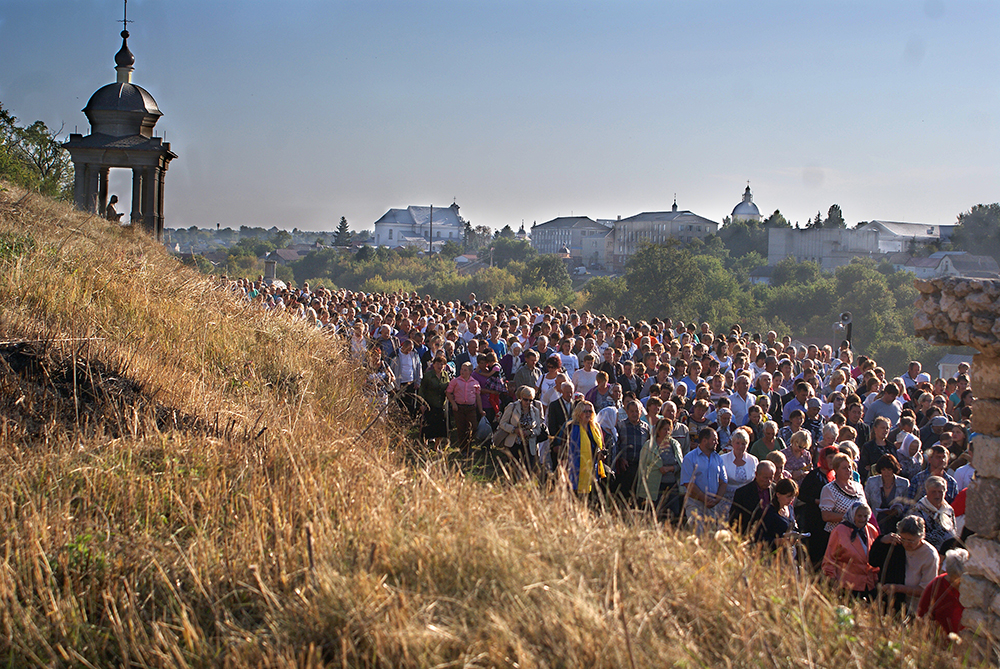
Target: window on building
390 233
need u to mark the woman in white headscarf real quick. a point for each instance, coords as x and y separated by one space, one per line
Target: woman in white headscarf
909 455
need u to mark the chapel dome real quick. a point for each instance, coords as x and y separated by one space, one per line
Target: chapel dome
746 209
124 98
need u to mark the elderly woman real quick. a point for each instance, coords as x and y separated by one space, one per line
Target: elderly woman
939 517
522 423
659 470
940 601
740 466
769 442
921 560
886 493
909 455
798 460
830 433
584 447
841 493
846 557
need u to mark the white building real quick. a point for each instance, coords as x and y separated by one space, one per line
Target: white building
947 263
657 227
573 233
828 247
413 226
895 236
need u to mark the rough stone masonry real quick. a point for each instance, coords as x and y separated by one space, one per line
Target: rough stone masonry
956 311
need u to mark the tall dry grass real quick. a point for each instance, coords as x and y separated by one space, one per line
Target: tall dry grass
182 483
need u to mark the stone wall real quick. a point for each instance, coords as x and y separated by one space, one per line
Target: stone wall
966 312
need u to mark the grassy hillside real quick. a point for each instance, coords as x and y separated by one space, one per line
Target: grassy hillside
182 483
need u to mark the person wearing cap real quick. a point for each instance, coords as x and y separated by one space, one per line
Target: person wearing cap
930 434
886 405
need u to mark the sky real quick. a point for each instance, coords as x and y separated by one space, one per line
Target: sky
298 112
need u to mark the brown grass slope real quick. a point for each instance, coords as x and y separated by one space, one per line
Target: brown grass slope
182 485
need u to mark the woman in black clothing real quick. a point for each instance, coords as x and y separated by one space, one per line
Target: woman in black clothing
807 513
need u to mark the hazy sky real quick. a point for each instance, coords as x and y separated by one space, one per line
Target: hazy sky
295 113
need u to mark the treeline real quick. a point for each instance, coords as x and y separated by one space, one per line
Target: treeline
32 157
537 280
704 284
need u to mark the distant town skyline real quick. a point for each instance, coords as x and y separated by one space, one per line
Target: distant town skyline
294 114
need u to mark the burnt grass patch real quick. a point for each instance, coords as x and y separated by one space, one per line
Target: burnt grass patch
46 393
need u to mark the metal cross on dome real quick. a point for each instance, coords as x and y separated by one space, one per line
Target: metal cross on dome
125 20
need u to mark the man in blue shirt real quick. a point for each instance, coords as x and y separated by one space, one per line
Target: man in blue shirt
704 475
633 434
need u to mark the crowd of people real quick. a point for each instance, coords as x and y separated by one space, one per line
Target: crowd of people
818 454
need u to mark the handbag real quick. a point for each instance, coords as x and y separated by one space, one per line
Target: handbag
500 435
484 432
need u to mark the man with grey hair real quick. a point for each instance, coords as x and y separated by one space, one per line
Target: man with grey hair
751 500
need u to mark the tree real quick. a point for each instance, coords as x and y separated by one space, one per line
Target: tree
281 239
343 233
815 223
365 254
548 271
478 237
506 232
834 218
506 250
742 237
451 249
790 271
978 230
250 246
34 157
661 281
776 220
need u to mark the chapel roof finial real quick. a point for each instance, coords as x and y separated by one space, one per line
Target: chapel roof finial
124 60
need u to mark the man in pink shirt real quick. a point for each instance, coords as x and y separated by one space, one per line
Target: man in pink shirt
466 403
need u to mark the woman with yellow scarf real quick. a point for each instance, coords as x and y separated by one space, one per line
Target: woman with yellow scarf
585 446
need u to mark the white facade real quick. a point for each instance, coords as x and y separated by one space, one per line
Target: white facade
413 226
830 248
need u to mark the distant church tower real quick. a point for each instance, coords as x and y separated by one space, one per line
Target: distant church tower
122 116
746 210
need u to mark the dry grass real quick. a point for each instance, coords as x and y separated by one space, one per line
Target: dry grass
181 484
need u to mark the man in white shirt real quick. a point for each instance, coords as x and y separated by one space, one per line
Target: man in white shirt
741 401
408 371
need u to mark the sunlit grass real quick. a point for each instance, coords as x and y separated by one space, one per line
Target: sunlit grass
182 484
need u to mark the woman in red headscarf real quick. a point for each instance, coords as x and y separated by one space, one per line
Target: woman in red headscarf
807 512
